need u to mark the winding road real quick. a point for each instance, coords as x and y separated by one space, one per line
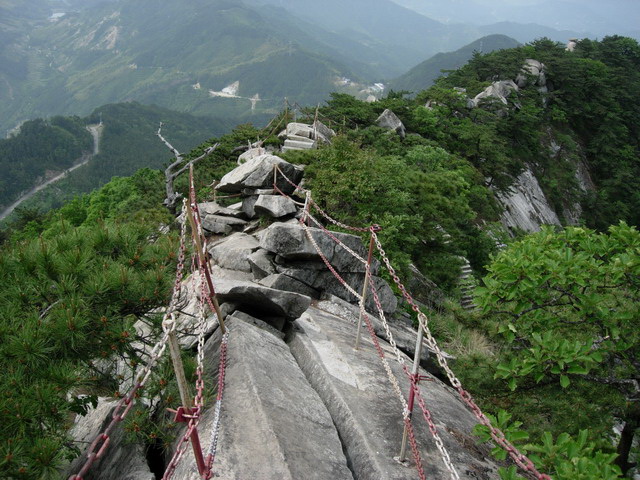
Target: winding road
96 132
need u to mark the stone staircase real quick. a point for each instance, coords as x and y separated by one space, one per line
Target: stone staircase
300 136
467 285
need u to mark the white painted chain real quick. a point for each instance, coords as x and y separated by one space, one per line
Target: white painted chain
436 436
336 239
433 345
340 279
392 378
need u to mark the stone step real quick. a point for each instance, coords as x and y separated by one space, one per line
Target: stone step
273 424
368 415
302 145
299 138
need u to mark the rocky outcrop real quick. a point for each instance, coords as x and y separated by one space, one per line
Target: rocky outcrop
500 91
300 136
390 121
257 173
526 206
273 423
353 384
312 408
532 69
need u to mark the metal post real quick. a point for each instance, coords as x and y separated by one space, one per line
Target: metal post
365 288
415 380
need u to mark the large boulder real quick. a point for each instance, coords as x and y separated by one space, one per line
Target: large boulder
390 121
275 206
328 283
284 282
260 300
290 241
273 424
532 68
323 133
353 384
497 90
234 252
261 263
257 173
213 208
219 224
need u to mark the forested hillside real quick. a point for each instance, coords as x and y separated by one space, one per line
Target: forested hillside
41 146
424 74
552 352
128 142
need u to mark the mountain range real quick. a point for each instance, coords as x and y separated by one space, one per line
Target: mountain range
69 57
424 74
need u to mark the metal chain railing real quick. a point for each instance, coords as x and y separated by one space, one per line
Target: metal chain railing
496 434
100 444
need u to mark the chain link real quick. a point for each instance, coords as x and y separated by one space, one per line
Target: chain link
413 385
496 434
101 442
213 444
314 204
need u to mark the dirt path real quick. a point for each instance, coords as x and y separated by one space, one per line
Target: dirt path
96 131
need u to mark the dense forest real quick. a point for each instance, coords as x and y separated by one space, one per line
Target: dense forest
127 143
552 352
41 146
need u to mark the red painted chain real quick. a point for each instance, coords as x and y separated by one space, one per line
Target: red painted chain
414 444
426 413
496 434
414 448
100 444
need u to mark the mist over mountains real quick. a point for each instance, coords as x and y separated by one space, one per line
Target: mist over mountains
69 57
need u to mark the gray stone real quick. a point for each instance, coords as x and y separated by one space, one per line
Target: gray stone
213 208
275 206
258 173
248 206
221 225
403 334
299 130
497 90
353 385
233 253
308 275
250 154
323 133
390 121
526 206
258 191
424 290
290 242
273 424
327 282
261 263
256 322
261 301
280 281
226 274
122 460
